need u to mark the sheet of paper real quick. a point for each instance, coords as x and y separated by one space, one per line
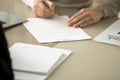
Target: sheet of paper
111 35
34 62
28 76
32 58
54 30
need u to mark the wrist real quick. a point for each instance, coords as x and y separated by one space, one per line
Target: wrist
100 11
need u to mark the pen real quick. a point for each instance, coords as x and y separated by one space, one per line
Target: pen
45 4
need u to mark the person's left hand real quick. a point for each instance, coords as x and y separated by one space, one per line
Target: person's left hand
85 17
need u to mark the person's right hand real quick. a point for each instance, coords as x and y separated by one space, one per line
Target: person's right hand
43 8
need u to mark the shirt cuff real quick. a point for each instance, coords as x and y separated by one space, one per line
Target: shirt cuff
29 3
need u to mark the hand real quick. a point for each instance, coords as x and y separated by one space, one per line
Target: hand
43 8
85 17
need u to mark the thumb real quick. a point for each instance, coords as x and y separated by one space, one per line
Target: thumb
50 4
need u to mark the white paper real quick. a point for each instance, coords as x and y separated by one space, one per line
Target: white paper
35 62
28 76
54 30
111 35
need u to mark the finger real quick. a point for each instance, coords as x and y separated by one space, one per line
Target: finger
79 18
38 12
43 7
84 22
43 15
50 4
76 15
41 10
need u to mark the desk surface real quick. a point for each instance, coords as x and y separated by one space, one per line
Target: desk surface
90 60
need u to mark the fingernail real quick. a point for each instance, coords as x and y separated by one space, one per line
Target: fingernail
68 24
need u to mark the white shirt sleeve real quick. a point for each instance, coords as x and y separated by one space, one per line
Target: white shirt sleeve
29 3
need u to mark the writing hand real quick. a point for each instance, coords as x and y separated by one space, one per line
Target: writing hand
43 8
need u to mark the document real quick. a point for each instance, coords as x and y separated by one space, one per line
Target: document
54 30
111 35
34 60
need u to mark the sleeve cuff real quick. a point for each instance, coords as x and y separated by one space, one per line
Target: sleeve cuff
105 10
29 3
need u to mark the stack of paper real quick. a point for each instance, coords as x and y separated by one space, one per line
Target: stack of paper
30 59
111 35
54 30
